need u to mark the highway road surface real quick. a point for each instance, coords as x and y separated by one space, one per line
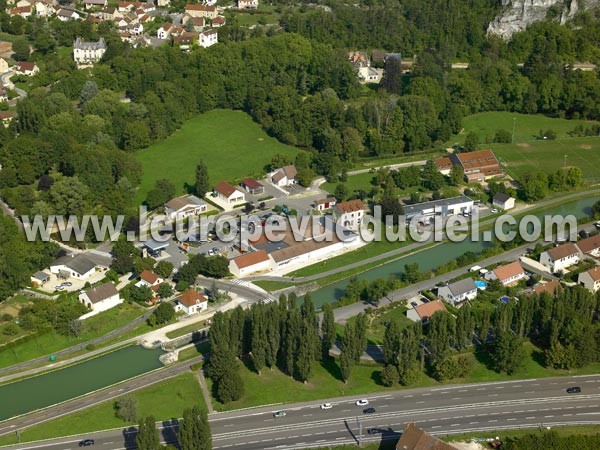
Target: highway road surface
446 409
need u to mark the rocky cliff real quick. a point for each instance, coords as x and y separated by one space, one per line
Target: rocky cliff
518 14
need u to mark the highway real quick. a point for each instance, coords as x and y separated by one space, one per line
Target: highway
446 409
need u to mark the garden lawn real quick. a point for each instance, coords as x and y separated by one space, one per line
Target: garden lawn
165 400
362 181
48 343
527 126
548 156
229 142
378 320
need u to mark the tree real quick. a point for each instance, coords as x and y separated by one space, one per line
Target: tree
164 269
328 332
508 353
163 191
390 205
457 174
21 49
194 432
202 185
136 135
89 91
165 290
503 137
162 314
389 375
230 387
126 408
346 365
341 192
471 141
147 436
596 210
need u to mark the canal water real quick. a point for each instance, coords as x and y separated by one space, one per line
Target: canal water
44 390
434 257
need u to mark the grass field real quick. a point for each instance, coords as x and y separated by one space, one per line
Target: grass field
364 181
165 400
549 156
378 320
48 343
527 126
229 142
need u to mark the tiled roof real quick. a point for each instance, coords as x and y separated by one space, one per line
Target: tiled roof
191 298
149 277
350 206
562 251
102 292
427 310
250 259
508 270
415 438
589 244
223 187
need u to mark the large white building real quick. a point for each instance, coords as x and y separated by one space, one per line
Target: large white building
87 54
208 38
444 207
349 214
186 206
100 298
73 266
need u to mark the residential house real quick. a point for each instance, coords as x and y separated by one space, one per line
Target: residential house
88 53
414 438
479 165
247 4
191 302
560 257
3 95
370 75
443 207
444 164
65 15
26 68
284 176
23 11
6 118
590 279
109 13
163 3
73 266
508 273
250 263
43 8
39 278
149 279
590 246
229 193
324 204
89 4
100 298
358 59
129 6
208 38
423 312
187 38
349 214
548 287
23 3
218 22
252 186
197 10
3 65
198 23
185 206
503 201
164 31
459 291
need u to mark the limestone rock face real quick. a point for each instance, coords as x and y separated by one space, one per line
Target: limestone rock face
519 14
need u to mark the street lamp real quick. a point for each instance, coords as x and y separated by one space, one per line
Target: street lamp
513 133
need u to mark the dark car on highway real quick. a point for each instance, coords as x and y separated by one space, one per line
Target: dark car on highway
369 411
373 431
574 390
86 443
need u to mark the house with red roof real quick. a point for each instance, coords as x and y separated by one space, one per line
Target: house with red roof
251 262
229 193
590 279
191 302
425 311
252 186
508 273
349 214
560 257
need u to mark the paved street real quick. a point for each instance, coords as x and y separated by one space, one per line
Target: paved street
446 409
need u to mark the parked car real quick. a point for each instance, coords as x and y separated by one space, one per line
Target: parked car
66 283
574 390
326 406
373 431
86 442
279 414
494 210
369 411
597 225
362 402
414 304
59 288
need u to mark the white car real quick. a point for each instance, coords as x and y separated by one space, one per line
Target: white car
326 406
362 402
494 211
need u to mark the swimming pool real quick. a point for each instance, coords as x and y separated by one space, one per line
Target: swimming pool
480 284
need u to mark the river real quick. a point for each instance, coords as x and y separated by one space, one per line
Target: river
440 254
48 389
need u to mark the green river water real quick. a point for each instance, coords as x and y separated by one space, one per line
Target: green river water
44 390
438 255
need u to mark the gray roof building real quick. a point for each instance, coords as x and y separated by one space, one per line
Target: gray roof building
80 263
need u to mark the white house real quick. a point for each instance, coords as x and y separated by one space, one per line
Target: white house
23 11
196 10
247 4
508 273
26 68
89 4
229 193
590 279
590 246
191 302
100 298
43 9
560 257
503 201
459 291
284 176
425 311
88 53
325 203
164 31
3 66
71 266
149 279
208 38
3 95
349 214
181 207
250 263
64 15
